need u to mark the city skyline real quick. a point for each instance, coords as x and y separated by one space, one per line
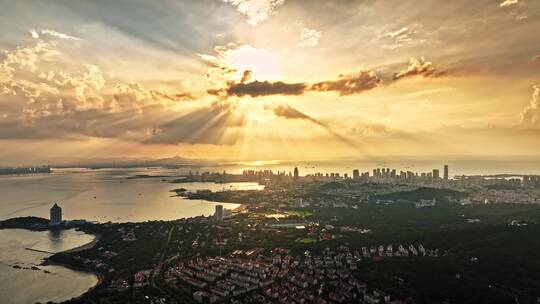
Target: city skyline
268 80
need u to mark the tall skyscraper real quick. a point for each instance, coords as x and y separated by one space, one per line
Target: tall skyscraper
56 215
445 172
356 174
435 174
296 174
219 213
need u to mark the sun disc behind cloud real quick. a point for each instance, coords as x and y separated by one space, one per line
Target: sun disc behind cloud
263 64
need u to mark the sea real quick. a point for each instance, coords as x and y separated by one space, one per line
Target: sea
95 195
22 278
107 195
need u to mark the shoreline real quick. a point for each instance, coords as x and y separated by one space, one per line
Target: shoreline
83 247
46 260
100 276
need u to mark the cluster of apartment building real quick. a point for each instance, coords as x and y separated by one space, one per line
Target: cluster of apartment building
382 251
219 278
244 276
327 277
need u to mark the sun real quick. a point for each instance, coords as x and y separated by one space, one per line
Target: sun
263 64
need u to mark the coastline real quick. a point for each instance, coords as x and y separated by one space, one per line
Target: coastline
83 247
94 278
100 276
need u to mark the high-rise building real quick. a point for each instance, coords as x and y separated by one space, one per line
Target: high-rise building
526 180
56 215
445 176
435 174
355 174
219 213
296 174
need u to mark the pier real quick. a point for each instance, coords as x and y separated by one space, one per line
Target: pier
40 251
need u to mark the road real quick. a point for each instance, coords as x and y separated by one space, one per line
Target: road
157 270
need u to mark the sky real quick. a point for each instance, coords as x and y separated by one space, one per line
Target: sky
248 80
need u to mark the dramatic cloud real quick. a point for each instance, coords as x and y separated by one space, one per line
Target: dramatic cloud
509 3
264 88
256 10
345 84
259 88
419 66
288 112
350 84
81 82
39 100
530 116
27 58
309 37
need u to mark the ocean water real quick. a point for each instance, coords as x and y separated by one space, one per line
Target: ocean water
105 195
48 283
